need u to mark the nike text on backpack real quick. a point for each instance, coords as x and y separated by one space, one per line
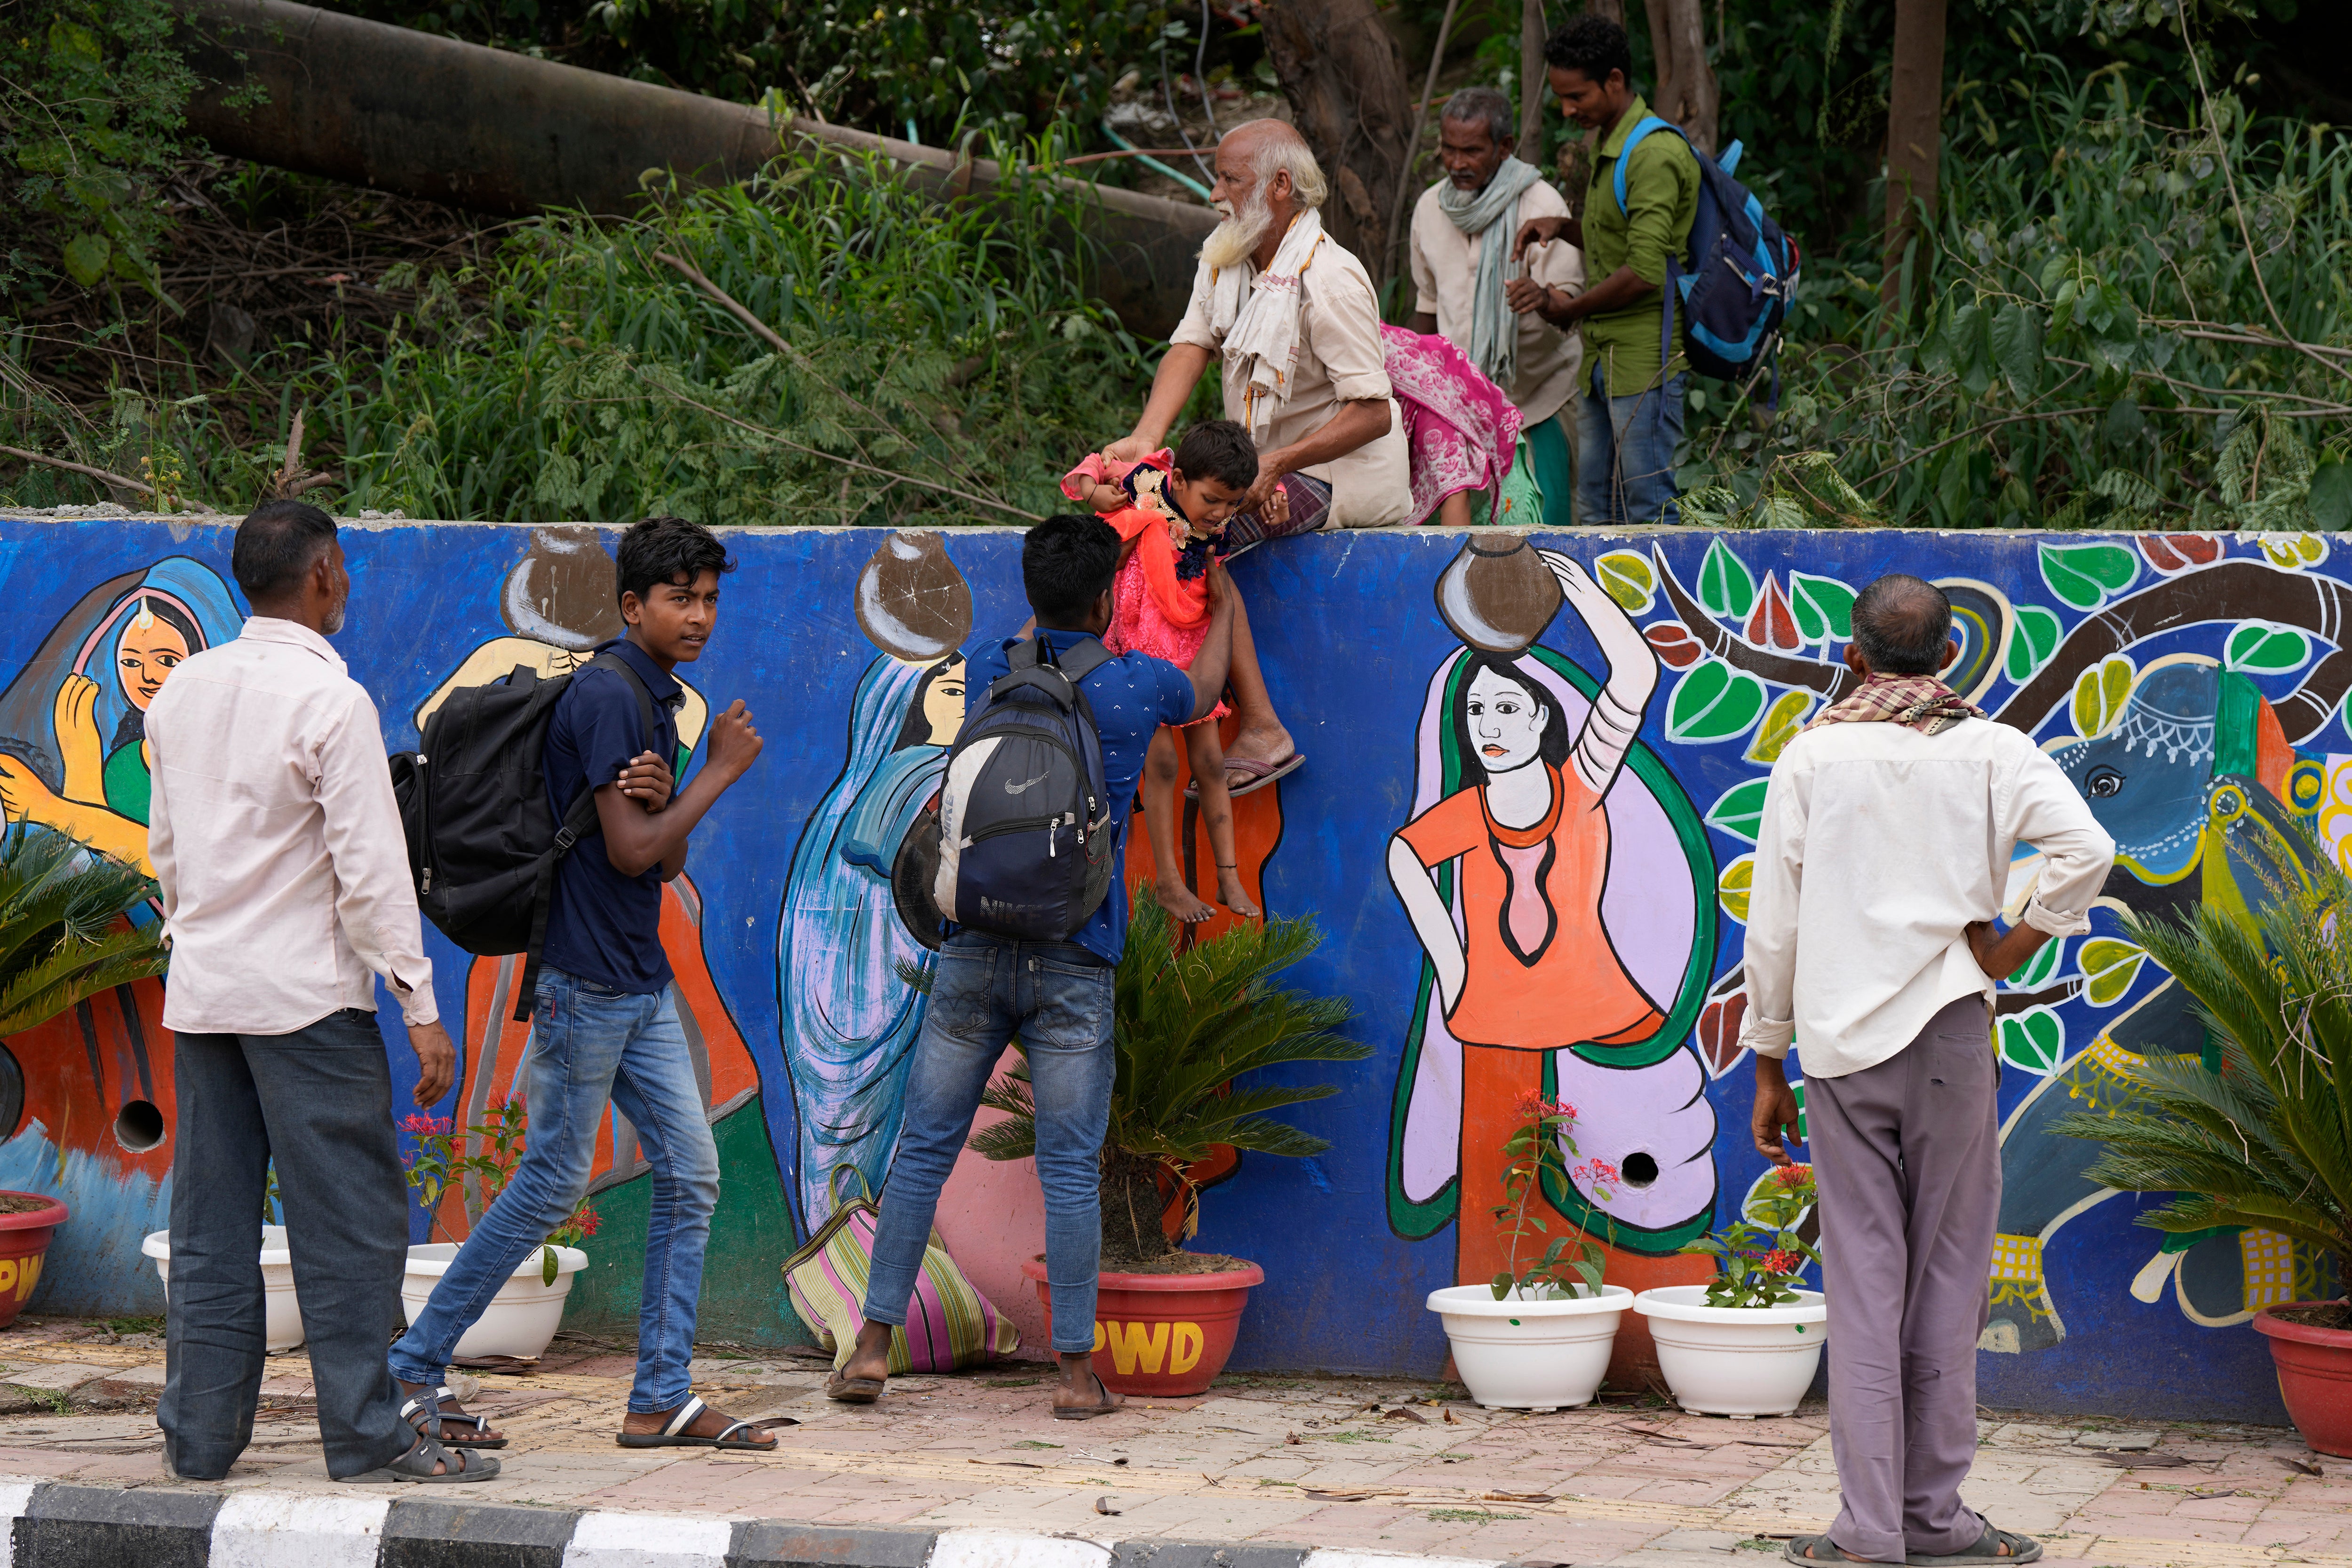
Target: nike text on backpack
1734 287
483 843
1026 844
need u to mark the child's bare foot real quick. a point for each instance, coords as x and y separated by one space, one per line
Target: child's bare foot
1181 903
1230 893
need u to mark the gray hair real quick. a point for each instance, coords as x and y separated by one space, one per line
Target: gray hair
1284 150
1901 624
1474 104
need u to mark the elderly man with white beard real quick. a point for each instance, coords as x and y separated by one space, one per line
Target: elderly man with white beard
1295 320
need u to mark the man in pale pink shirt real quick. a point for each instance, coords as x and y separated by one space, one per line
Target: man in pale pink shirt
286 888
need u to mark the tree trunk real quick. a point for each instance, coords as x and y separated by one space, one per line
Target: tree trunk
1535 85
1687 93
1132 1209
1915 118
1615 10
1345 79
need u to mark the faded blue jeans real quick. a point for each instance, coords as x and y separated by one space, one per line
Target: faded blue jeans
591 1046
1056 996
1625 453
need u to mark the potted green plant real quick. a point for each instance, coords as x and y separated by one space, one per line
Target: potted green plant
529 1308
1748 1341
1539 1337
2265 1141
63 937
1187 1025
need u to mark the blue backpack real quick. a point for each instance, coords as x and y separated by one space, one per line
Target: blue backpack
1735 287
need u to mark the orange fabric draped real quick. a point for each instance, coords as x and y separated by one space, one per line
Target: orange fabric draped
1185 605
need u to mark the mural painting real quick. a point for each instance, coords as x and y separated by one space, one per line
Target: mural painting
1526 830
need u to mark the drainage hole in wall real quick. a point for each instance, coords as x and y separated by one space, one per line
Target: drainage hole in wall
138 1127
1639 1170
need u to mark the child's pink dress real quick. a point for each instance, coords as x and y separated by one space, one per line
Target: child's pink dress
1153 609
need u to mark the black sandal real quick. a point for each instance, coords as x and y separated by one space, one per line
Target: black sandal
1812 1548
675 1436
1993 1546
425 1411
418 1466
854 1390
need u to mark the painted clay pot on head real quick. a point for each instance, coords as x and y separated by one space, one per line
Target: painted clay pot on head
2314 1376
912 603
1161 1335
1497 595
24 1241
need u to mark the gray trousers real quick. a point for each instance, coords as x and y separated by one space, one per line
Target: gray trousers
1908 1156
319 1101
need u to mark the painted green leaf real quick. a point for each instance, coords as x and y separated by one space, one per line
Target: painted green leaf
2040 968
2032 642
2017 348
2100 693
1823 606
1725 587
2033 1039
1781 722
1627 577
1715 702
1732 888
2260 648
2083 575
1739 811
2109 967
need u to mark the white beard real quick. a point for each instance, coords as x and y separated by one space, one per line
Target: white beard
1231 242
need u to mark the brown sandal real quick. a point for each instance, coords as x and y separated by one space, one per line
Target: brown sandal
854 1390
1088 1412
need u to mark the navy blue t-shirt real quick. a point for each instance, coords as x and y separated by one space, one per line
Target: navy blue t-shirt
1131 696
602 926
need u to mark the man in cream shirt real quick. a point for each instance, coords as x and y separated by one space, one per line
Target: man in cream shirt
277 847
1882 862
1462 232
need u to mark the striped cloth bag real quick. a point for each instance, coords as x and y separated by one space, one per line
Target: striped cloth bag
950 1325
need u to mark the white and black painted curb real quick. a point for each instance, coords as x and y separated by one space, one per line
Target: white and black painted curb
54 1525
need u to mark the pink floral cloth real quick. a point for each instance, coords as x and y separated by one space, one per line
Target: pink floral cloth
1461 432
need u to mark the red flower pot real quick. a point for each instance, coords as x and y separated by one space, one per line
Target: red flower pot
1166 1334
24 1242
2315 1375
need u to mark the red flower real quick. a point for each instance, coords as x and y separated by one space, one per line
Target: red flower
1597 1172
1793 1177
426 1126
589 1221
1779 1262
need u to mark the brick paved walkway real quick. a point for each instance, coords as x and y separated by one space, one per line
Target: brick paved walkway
1374 1465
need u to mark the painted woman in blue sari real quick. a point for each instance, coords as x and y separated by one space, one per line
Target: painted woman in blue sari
849 1017
73 749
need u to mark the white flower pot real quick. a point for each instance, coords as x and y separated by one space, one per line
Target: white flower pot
1530 1354
520 1319
282 1315
1736 1360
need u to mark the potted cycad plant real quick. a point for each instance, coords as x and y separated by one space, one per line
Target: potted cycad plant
1748 1341
1539 1337
63 937
2265 1143
1187 1025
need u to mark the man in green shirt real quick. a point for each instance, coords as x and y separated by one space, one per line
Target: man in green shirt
1631 420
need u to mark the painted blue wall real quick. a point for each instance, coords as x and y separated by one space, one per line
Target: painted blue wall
1352 638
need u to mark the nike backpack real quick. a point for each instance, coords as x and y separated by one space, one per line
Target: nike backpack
1025 840
1734 288
483 843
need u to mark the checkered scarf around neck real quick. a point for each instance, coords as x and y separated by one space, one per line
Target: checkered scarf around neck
1922 702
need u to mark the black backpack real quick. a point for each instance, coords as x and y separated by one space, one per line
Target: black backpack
1025 846
483 844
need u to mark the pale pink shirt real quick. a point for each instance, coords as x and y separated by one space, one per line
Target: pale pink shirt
276 842
1878 846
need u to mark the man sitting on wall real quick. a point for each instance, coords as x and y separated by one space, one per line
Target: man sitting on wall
1297 324
1462 228
1631 416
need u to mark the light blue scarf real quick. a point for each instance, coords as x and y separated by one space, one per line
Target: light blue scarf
1494 330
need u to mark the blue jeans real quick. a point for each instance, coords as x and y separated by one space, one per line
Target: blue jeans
1625 454
1056 996
590 1046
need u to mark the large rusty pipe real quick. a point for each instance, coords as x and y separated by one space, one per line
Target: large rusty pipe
371 104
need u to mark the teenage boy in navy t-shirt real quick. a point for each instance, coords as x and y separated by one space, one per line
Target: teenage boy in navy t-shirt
1056 996
605 1026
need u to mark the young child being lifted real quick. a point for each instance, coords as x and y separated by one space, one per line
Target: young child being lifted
1171 516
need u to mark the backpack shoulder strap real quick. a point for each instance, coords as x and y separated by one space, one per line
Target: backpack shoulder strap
1633 138
1083 660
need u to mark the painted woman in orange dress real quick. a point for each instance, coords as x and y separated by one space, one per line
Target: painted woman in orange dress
1528 974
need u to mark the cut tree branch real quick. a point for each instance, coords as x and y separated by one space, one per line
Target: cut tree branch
101 475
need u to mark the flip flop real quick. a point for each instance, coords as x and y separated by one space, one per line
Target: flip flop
1088 1412
1989 1548
854 1390
675 1436
1261 774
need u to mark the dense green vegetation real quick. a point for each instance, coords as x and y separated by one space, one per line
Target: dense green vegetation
2130 311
